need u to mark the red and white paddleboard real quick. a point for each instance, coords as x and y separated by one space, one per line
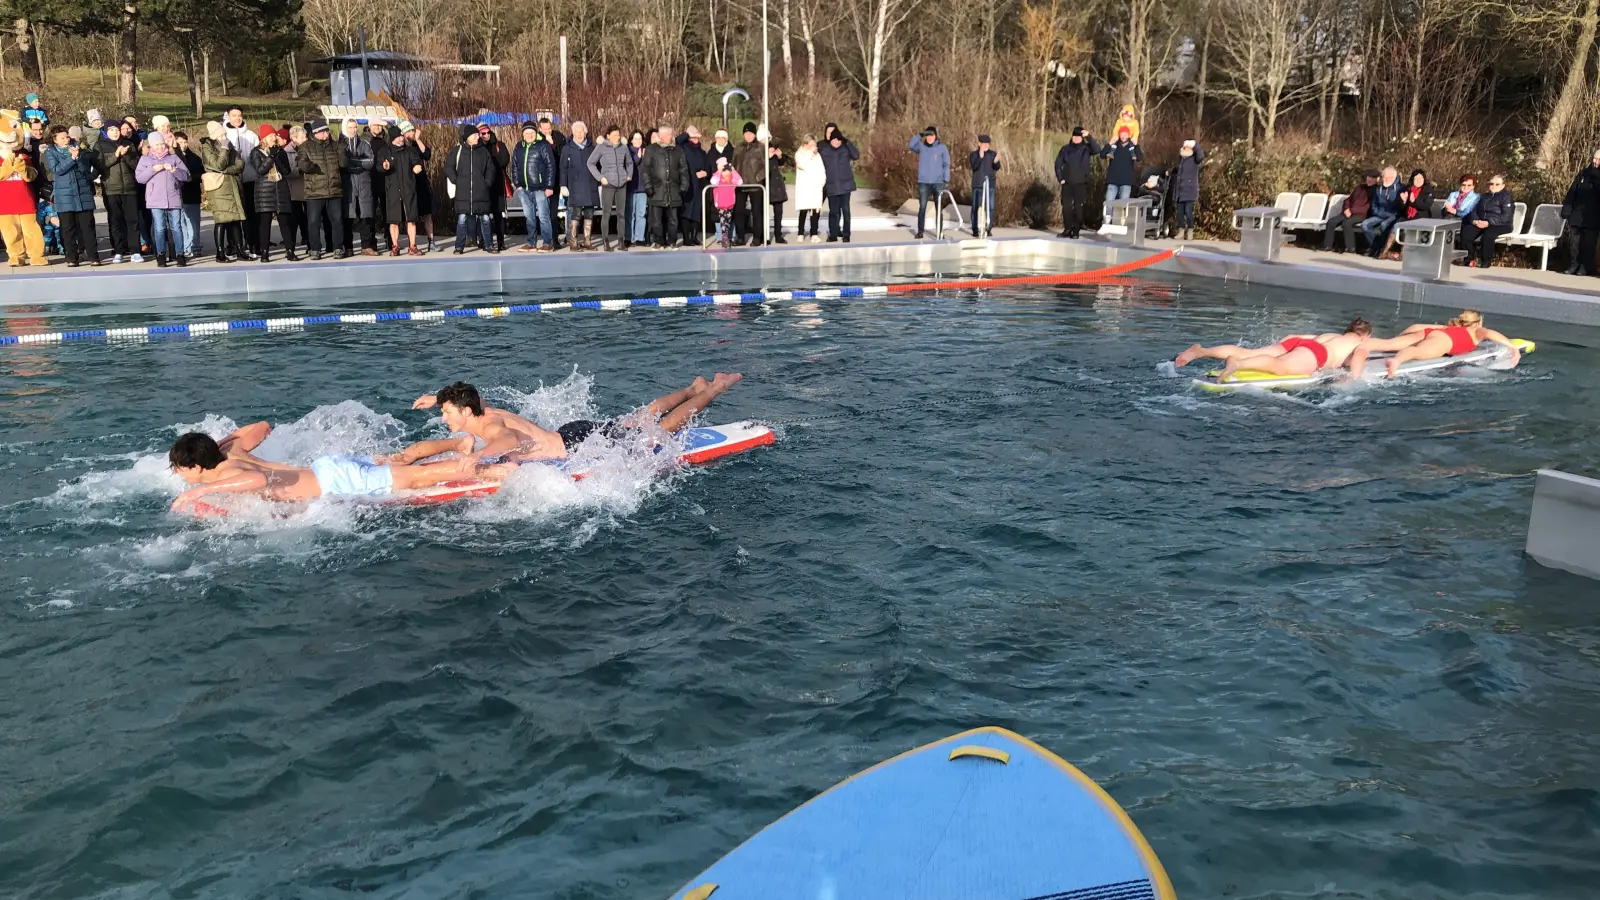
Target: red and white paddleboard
700 445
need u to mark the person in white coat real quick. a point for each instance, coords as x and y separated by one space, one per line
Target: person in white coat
809 179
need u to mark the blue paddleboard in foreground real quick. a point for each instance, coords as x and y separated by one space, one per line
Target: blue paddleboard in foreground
983 815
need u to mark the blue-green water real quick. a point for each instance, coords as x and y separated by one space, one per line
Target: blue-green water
1295 638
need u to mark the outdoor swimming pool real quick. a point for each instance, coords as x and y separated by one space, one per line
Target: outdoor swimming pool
1294 637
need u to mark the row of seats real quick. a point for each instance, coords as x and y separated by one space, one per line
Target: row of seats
1312 212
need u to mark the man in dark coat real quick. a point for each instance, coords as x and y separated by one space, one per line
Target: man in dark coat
580 187
471 169
666 182
497 197
1355 210
1581 209
357 189
837 155
700 168
556 140
321 160
377 136
1074 171
777 192
402 166
750 161
533 176
985 166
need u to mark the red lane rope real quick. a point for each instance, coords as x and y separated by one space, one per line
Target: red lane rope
1069 278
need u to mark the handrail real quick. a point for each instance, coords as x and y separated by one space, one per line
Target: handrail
939 213
706 206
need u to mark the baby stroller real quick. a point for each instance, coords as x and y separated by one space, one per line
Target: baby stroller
1155 182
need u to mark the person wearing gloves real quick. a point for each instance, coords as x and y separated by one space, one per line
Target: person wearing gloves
74 170
666 182
725 183
933 172
750 161
533 178
580 188
985 166
1124 155
321 160
1186 186
809 177
401 164
219 187
837 155
611 164
777 192
471 169
162 172
270 163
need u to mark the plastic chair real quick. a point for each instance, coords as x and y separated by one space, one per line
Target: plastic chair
1288 201
1543 232
1313 213
1519 214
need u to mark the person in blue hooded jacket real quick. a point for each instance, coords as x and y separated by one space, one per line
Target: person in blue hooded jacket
933 172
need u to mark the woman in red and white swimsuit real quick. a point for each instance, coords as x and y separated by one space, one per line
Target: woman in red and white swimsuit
1299 354
1462 335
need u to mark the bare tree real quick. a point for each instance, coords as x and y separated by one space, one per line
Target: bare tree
1142 45
874 24
1053 40
1566 31
1264 44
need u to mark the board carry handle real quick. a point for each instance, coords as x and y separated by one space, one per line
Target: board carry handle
700 892
978 750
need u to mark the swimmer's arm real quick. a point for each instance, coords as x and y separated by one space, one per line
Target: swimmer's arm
498 440
1374 345
426 401
424 449
1502 340
245 482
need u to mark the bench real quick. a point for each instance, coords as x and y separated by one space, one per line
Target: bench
1430 247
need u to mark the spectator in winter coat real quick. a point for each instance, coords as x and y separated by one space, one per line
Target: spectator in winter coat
1186 186
161 172
933 172
424 185
270 163
700 167
1357 207
1489 221
611 164
580 188
294 136
1385 211
1074 171
356 187
471 169
638 201
220 193
666 182
119 160
1581 209
402 167
74 170
377 136
750 161
725 183
191 193
840 183
533 177
321 160
1416 202
242 138
501 157
809 177
1462 202
777 192
1124 155
985 166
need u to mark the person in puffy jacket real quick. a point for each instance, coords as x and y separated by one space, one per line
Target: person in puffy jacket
74 170
666 182
161 172
809 177
191 192
1186 186
1074 171
611 164
321 160
638 200
933 172
355 185
501 157
777 192
700 169
750 161
1124 157
119 159
220 193
725 183
579 186
839 183
1581 209
471 169
402 166
269 164
533 178
1493 218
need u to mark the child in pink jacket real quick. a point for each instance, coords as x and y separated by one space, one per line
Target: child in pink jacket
724 181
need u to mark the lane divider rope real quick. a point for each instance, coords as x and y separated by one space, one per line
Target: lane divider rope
139 332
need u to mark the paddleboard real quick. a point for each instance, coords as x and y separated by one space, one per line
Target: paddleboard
700 446
1488 354
981 814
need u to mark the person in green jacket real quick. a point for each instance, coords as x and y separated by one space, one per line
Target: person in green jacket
220 193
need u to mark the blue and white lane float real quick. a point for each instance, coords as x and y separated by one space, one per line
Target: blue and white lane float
982 814
750 298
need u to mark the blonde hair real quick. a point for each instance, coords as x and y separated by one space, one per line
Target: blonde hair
1469 318
297 130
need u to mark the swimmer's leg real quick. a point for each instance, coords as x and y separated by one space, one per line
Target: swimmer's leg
663 405
674 421
430 474
1222 352
424 449
246 438
1297 362
1434 347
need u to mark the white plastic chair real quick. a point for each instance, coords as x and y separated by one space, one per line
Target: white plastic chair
1519 214
1313 213
1288 201
1335 207
1543 232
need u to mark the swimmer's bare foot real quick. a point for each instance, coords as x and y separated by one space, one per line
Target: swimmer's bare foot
1393 365
1228 370
699 384
725 380
1188 356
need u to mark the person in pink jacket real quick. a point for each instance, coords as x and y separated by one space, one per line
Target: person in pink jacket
724 193
163 173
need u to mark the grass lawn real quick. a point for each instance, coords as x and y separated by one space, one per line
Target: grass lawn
167 94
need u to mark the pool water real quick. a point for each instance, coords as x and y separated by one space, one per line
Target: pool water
1295 636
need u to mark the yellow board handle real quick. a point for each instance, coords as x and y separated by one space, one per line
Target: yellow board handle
700 892
999 756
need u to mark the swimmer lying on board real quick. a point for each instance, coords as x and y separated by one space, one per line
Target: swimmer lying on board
1461 336
1298 354
505 435
228 467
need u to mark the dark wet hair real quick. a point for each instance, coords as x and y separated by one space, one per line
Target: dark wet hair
1359 326
195 449
462 396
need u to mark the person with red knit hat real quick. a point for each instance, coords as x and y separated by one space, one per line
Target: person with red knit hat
270 163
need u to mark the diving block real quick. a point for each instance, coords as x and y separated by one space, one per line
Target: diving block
1564 529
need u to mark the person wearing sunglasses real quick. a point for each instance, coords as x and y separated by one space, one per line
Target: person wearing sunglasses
1485 224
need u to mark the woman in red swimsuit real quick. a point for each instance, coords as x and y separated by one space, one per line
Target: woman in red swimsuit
1462 335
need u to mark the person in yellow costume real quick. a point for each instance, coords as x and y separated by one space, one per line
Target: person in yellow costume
1126 119
19 223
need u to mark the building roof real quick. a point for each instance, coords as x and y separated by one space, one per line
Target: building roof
393 59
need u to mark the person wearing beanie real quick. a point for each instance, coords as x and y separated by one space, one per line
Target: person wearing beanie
840 182
219 187
1074 170
1123 155
470 171
322 161
985 166
270 161
533 178
750 161
401 164
777 191
162 172
377 138
424 184
933 172
93 133
33 112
